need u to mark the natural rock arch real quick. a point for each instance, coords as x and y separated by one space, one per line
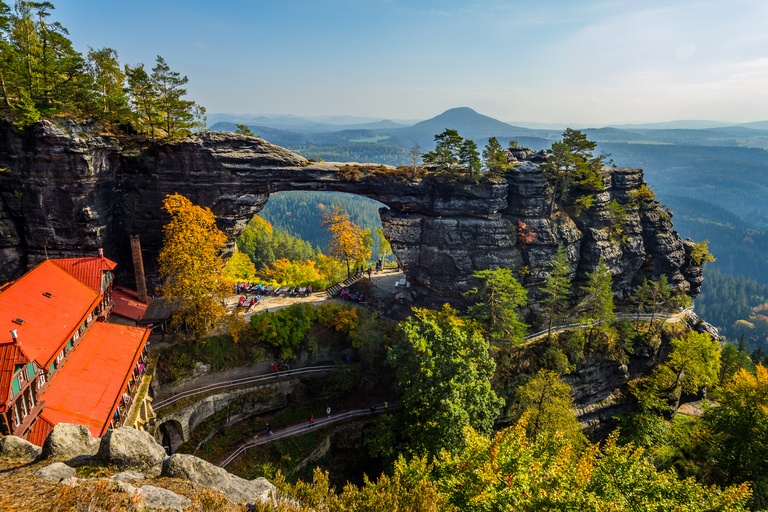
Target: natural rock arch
69 192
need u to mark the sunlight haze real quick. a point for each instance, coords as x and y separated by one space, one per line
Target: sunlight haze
588 62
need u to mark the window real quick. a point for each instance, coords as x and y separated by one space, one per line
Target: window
41 380
17 413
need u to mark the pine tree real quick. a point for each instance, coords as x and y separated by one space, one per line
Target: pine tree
469 157
557 289
446 153
497 303
177 113
494 157
599 301
143 97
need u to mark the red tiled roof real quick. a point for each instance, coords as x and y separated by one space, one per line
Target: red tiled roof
127 304
10 356
49 322
87 270
88 387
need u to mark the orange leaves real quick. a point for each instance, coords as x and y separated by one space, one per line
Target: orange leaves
190 262
346 237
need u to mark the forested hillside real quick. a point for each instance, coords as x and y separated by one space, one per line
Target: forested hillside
299 213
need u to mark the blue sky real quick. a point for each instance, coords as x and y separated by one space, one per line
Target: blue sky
550 61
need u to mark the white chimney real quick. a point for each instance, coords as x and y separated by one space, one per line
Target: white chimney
14 334
101 252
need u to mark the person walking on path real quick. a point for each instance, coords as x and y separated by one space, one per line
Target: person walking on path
311 420
369 272
269 430
274 365
328 410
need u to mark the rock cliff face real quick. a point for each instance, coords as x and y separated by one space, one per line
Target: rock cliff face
66 191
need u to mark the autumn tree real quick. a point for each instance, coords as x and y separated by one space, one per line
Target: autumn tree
545 403
444 372
239 267
347 241
496 303
191 265
557 289
739 428
693 363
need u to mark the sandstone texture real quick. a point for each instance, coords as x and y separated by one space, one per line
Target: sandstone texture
13 447
128 448
67 441
66 190
56 471
158 498
206 474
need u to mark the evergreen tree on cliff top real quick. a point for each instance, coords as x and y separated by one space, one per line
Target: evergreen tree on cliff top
570 161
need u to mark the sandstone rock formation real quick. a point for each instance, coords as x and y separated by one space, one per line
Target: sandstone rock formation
206 474
65 191
128 448
57 471
67 441
13 447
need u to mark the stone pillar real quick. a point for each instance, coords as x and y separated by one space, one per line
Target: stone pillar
138 269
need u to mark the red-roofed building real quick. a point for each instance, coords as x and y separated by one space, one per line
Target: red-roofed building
58 362
127 306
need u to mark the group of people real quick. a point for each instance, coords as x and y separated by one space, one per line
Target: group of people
246 287
244 302
346 295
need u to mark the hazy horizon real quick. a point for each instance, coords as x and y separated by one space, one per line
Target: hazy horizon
591 63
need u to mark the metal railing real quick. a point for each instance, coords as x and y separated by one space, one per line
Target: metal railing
304 428
622 316
160 404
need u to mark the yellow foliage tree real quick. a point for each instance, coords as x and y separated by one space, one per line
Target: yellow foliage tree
191 265
347 239
284 272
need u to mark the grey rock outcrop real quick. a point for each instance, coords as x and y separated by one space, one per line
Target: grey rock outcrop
128 448
13 447
158 498
56 471
699 325
206 474
128 476
68 441
66 190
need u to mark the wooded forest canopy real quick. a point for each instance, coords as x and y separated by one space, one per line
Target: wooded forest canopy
42 75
